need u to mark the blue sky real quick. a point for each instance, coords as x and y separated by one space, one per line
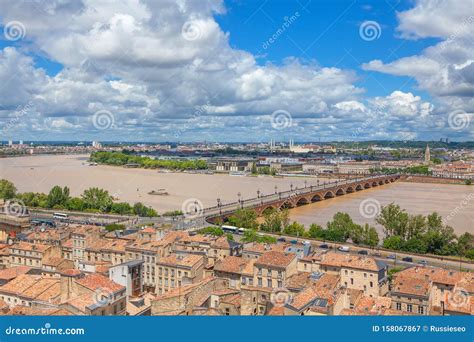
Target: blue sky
186 71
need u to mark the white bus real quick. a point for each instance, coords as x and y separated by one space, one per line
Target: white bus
230 229
60 216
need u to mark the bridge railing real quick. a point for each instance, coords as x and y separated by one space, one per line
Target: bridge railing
223 209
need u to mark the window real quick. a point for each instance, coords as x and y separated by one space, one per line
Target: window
280 283
409 307
352 281
365 275
269 282
399 306
259 282
421 310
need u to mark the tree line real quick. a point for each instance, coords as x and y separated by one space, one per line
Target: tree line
121 158
402 231
91 200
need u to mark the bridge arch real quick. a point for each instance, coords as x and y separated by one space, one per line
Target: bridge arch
329 194
366 185
286 205
387 181
349 190
380 182
302 201
359 187
268 209
374 184
340 192
316 198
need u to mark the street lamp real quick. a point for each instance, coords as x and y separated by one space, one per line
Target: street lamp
305 183
291 186
238 195
258 193
276 188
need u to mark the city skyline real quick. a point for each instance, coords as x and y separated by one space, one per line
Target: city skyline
228 71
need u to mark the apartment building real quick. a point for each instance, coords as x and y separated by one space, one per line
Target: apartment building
238 271
177 270
222 248
272 269
357 272
83 237
32 255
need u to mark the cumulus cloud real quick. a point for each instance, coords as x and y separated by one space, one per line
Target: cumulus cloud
165 69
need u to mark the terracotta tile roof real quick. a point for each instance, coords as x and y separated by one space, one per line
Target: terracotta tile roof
298 281
94 281
83 302
276 311
235 299
53 261
275 259
233 264
221 243
260 248
183 290
33 311
372 305
33 287
116 245
349 261
187 260
86 230
68 243
405 284
26 246
324 289
8 274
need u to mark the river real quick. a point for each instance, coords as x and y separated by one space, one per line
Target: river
41 173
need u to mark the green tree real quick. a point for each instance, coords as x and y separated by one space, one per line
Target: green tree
340 228
393 219
143 211
76 203
7 189
316 231
246 218
370 236
121 208
58 197
95 198
274 220
394 242
295 229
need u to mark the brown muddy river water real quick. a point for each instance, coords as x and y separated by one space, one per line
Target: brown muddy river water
40 173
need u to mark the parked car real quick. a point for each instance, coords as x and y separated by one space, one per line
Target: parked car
343 248
391 256
282 239
363 252
324 246
377 254
294 242
423 262
407 259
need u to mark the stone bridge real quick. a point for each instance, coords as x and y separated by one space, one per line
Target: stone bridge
298 197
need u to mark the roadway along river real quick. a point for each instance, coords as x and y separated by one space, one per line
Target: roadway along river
40 173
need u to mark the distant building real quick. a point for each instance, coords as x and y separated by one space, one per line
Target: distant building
427 155
129 274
